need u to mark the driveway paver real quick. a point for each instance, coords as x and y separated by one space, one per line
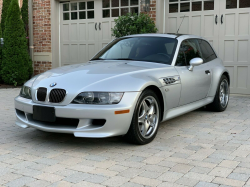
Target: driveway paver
201 148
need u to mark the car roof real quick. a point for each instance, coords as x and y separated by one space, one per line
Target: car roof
168 35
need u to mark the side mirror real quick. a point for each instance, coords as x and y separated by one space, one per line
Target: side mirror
195 62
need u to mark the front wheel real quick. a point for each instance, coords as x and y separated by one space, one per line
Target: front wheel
146 119
221 98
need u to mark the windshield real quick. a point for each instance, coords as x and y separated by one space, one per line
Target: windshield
149 49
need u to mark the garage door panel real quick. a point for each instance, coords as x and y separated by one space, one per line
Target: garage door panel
82 53
73 32
105 31
229 48
82 32
209 25
196 25
91 31
242 77
65 54
65 33
229 24
74 54
243 50
184 26
243 24
91 50
172 24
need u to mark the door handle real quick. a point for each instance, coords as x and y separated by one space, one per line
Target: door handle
222 19
216 19
96 26
207 72
100 26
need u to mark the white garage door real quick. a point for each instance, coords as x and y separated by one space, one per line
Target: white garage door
85 27
226 24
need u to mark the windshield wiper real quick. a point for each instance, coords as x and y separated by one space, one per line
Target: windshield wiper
97 59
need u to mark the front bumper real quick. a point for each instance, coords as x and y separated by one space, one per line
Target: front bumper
115 125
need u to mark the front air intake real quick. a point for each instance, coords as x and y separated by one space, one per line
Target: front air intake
41 94
57 95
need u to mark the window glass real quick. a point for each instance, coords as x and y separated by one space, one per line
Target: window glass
82 6
115 12
149 49
181 60
185 7
124 2
91 15
105 3
196 6
82 15
90 5
207 51
124 11
134 10
173 8
65 16
73 6
115 3
231 4
133 2
66 7
116 8
209 5
244 3
73 15
106 13
189 49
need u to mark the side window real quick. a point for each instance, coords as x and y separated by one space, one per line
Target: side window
207 51
181 59
189 49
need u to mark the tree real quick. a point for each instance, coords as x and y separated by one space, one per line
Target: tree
133 24
25 15
5 7
16 64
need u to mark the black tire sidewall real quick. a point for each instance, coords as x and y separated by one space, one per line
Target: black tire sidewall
138 136
217 97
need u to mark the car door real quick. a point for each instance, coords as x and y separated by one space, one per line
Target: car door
195 84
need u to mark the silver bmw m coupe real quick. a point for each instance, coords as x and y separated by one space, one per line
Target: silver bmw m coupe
127 89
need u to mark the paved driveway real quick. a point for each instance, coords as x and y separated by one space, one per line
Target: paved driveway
202 149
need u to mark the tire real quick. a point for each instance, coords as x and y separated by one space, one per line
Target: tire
217 105
146 119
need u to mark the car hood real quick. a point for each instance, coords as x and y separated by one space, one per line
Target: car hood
83 75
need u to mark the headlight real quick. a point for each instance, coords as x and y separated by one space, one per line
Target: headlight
99 98
26 92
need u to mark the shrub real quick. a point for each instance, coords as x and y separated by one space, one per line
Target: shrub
25 15
5 7
133 24
16 64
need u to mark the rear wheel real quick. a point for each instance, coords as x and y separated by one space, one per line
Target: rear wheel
146 118
221 98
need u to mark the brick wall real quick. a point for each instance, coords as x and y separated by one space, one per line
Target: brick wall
40 67
42 32
152 12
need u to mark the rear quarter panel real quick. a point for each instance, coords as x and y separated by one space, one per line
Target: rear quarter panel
217 69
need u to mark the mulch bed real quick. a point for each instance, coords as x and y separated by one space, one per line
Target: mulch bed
5 86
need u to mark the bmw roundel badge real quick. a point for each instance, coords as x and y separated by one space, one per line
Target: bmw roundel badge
53 84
